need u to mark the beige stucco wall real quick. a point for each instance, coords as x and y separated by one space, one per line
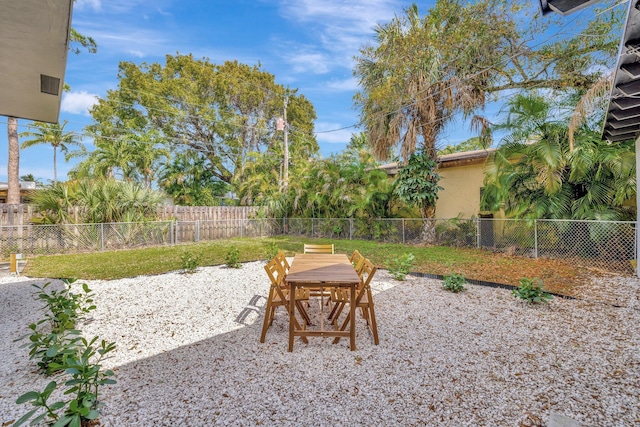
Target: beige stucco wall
461 191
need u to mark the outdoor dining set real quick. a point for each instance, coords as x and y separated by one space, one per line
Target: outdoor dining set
340 285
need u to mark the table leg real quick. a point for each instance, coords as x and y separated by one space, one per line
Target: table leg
352 321
292 312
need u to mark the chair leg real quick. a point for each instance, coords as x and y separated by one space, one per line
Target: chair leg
336 340
303 312
268 319
374 325
339 307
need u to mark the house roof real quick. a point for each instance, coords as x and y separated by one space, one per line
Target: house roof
622 121
34 41
447 160
563 7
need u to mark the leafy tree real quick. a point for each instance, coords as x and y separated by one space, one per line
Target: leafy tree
422 72
224 112
533 174
188 179
417 184
471 144
132 157
54 135
98 200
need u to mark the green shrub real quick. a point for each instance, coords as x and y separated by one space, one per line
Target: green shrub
271 250
531 290
83 365
401 266
233 257
454 282
190 263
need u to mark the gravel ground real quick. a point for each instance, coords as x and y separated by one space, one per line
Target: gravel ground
188 354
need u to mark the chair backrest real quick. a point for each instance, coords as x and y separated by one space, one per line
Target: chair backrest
276 273
282 259
357 260
368 271
318 249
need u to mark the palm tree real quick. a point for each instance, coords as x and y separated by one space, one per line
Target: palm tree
534 174
13 180
53 134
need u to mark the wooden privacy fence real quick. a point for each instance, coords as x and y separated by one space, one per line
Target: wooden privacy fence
22 214
207 213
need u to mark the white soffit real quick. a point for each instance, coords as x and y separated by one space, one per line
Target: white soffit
34 42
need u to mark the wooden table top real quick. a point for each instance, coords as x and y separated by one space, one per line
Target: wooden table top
322 268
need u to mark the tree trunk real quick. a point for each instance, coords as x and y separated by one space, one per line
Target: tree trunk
429 224
55 171
13 177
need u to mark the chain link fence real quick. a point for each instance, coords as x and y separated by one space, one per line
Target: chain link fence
608 245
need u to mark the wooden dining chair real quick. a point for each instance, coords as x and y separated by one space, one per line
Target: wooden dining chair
357 260
281 257
279 296
319 249
364 301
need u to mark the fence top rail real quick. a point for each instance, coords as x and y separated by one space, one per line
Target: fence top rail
85 224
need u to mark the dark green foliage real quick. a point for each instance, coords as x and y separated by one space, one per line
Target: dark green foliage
417 181
454 282
531 290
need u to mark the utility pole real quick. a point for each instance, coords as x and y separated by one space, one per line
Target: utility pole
285 166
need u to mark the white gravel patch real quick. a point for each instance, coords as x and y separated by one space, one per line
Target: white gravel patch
188 354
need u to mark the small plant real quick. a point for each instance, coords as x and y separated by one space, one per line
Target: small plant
86 379
531 290
401 266
454 282
64 308
190 263
233 258
271 250
52 340
51 349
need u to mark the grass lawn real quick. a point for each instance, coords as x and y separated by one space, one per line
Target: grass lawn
558 276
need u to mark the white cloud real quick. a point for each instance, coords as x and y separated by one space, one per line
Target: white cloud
346 85
78 102
308 62
94 4
342 25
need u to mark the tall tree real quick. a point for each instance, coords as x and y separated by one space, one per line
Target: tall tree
188 179
222 111
421 72
13 167
52 134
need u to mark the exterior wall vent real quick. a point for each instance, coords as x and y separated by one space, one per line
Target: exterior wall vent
50 85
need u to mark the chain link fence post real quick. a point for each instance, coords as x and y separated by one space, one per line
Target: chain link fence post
350 228
102 236
404 239
535 238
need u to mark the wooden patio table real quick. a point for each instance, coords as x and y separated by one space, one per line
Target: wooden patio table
317 271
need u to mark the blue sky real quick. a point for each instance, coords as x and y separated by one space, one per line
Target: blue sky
306 44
